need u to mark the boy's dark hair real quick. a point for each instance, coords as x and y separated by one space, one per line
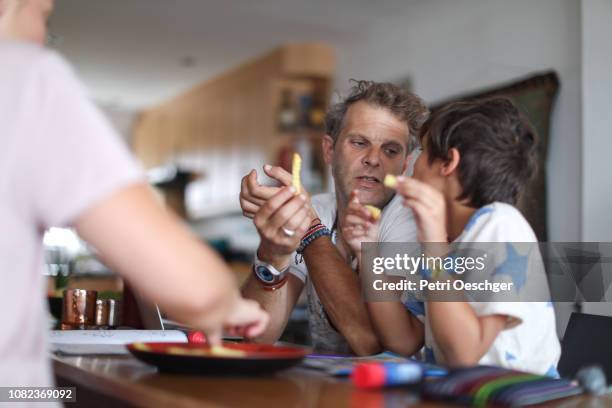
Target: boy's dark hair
405 105
496 144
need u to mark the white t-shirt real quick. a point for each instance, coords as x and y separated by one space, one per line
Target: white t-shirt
529 342
396 225
59 156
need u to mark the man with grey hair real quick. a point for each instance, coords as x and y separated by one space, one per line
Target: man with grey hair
369 134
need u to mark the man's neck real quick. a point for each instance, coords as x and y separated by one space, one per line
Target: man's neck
457 216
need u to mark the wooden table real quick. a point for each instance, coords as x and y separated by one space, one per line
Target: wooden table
124 381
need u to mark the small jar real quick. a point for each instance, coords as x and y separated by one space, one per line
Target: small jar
101 319
78 309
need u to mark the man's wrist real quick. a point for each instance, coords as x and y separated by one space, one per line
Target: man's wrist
280 262
269 276
316 231
314 220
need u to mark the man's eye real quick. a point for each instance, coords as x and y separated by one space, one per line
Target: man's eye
358 143
391 152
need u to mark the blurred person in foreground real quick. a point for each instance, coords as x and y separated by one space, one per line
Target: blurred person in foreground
61 164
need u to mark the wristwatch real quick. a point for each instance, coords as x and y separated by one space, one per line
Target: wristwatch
268 275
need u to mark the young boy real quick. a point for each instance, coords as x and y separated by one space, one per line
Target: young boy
477 157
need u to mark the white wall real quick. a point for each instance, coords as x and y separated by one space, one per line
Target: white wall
596 18
450 47
596 119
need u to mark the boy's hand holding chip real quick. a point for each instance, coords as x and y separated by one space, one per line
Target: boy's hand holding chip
428 207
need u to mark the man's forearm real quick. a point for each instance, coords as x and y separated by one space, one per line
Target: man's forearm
339 290
278 303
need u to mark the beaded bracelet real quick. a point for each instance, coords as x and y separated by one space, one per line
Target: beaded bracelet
312 234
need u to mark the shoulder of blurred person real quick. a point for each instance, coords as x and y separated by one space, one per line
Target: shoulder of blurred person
60 145
26 58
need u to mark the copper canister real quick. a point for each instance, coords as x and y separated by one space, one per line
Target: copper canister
79 308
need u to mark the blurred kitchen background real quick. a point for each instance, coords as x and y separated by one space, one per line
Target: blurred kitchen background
204 91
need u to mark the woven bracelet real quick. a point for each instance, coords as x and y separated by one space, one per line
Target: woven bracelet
315 232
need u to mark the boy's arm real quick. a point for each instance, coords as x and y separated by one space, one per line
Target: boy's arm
463 337
398 330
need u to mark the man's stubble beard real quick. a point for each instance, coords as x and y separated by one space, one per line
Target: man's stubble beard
343 189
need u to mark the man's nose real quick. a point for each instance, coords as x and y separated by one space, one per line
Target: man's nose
372 157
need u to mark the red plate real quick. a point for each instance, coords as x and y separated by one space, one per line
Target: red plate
183 358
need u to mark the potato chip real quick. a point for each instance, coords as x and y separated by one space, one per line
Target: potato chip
214 351
141 347
226 352
296 167
187 352
390 181
374 211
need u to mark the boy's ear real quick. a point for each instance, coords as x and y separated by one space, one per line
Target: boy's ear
452 164
328 148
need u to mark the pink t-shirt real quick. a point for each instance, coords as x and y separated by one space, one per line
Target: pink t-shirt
58 157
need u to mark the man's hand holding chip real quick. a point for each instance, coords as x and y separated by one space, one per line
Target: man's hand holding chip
281 223
253 194
281 214
360 224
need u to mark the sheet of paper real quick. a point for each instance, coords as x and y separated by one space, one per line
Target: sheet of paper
115 336
79 342
89 349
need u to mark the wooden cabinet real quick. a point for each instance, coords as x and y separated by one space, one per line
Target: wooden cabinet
229 124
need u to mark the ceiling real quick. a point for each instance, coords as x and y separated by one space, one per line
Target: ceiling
137 53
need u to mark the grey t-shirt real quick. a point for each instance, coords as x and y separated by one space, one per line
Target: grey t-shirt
396 225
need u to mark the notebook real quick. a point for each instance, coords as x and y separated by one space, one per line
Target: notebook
484 386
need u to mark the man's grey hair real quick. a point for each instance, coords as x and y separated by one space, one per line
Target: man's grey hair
405 105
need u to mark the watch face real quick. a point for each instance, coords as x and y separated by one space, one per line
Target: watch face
264 274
